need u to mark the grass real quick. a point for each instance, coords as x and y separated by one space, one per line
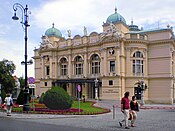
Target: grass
87 107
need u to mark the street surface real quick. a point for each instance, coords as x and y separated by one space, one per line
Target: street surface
157 119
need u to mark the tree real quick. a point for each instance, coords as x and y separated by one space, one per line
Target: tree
22 82
7 81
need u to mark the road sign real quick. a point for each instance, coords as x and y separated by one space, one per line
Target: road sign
31 80
79 88
32 86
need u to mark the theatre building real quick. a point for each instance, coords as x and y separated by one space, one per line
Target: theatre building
123 57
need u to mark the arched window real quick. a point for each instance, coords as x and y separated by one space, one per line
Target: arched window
95 64
78 65
63 66
138 63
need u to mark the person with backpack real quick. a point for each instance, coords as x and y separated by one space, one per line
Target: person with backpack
125 109
9 103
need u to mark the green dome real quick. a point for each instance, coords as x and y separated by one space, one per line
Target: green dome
53 32
116 17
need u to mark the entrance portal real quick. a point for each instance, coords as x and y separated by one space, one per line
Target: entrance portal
137 92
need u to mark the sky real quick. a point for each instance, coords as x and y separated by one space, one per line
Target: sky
72 15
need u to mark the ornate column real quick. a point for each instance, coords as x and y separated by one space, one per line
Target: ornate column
105 61
50 65
85 65
69 66
42 67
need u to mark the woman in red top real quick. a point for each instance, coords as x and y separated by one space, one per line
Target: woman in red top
125 106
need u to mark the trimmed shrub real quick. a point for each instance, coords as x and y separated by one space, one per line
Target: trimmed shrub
57 99
20 99
41 98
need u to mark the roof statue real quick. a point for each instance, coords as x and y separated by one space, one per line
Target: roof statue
69 33
85 31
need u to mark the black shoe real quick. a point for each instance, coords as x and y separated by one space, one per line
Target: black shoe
120 124
126 127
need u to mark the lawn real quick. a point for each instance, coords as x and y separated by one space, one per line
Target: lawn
87 108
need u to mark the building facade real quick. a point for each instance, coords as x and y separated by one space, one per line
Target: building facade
107 64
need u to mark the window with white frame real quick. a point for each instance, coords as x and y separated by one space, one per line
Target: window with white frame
63 66
95 64
112 66
78 65
138 63
47 70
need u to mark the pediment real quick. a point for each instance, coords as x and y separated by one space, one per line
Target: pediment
108 38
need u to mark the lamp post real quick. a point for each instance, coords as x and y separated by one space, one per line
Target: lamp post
25 25
96 88
142 91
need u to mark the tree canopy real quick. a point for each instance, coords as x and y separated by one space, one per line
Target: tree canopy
7 81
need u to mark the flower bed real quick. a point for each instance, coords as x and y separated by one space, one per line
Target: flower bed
48 111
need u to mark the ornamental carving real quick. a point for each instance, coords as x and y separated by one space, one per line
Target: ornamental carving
45 44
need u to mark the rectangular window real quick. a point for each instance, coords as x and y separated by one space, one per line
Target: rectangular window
79 69
47 70
95 67
45 83
112 66
138 67
110 82
64 69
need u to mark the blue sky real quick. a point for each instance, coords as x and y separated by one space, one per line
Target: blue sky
73 15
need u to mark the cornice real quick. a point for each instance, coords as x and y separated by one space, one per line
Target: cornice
136 41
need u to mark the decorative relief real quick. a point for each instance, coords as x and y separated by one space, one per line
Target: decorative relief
45 44
111 51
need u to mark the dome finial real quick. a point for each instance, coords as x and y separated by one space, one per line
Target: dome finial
115 9
132 21
53 25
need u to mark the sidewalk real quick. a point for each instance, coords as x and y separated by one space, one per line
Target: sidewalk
110 104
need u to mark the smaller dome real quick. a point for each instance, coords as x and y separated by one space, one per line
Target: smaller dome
116 17
53 32
133 27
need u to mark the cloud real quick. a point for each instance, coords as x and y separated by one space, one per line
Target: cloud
74 15
68 14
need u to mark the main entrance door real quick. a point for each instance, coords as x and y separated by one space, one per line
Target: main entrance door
137 92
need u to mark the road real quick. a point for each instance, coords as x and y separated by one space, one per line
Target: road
8 124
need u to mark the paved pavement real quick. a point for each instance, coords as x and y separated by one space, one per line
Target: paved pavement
150 118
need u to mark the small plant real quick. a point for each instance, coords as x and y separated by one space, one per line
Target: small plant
57 99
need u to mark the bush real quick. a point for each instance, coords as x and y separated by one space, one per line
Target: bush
20 99
57 99
41 98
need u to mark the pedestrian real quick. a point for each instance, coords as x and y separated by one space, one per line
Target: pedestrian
125 107
134 105
0 100
9 103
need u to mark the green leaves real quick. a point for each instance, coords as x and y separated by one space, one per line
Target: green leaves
7 81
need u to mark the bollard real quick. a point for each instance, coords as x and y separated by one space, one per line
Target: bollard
113 111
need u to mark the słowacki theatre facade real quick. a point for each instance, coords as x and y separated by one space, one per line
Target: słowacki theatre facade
107 64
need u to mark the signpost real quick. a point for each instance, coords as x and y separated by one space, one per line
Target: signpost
79 90
32 86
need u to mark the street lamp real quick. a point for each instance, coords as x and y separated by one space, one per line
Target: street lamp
142 91
25 25
96 88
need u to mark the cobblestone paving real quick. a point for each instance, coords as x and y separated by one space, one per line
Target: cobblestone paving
149 119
